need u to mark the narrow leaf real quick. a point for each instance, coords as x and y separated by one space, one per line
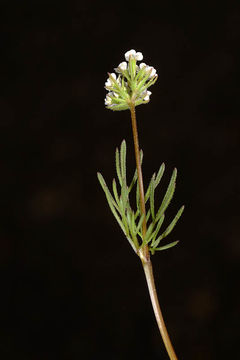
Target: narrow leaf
118 170
123 151
168 196
168 246
148 234
140 223
156 231
148 216
173 223
115 192
138 198
106 190
124 229
159 175
152 188
135 176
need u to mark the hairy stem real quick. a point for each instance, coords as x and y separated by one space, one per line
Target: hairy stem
144 251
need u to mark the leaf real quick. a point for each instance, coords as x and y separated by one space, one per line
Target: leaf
135 176
159 175
148 215
168 196
173 223
168 246
140 223
147 237
156 231
152 188
114 186
132 244
138 198
118 170
123 151
147 193
111 203
106 190
132 227
170 227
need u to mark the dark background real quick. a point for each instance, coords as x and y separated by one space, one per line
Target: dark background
71 286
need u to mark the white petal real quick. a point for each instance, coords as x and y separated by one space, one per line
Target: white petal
142 65
147 97
153 72
114 76
123 65
139 56
108 100
108 84
128 53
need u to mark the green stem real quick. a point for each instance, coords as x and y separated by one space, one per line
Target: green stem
143 252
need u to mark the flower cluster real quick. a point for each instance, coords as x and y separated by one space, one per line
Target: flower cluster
130 83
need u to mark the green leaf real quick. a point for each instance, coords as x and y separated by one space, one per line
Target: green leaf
168 196
168 246
118 170
132 227
123 151
147 237
111 203
156 231
170 227
106 190
159 175
140 223
115 192
138 198
147 193
152 188
173 223
135 177
148 215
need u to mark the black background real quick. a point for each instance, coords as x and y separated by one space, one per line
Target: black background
71 287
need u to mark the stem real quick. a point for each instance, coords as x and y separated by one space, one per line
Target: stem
143 251
147 266
140 177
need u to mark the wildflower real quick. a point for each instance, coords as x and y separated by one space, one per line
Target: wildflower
123 66
108 100
147 96
131 84
109 81
137 55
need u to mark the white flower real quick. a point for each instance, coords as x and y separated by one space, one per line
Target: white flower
153 71
142 65
147 97
108 100
114 76
109 81
150 69
123 66
137 55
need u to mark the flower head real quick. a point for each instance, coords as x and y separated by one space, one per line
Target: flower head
131 84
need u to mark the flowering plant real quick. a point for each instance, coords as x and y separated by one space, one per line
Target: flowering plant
126 90
131 84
